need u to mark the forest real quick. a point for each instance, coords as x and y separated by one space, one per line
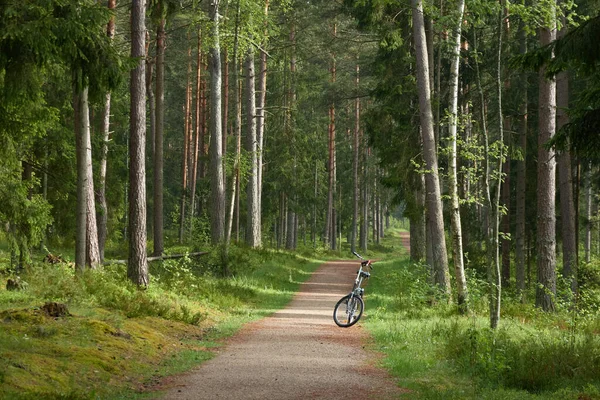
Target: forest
176 169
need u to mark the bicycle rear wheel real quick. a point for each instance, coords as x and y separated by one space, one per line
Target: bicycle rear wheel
348 310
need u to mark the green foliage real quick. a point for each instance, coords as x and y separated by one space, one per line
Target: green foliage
523 357
123 335
438 354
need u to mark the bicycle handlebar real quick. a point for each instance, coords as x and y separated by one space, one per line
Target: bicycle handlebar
362 258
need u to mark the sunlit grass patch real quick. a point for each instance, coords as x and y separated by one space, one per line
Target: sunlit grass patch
119 339
439 354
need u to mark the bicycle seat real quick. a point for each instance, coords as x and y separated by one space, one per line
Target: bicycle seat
365 274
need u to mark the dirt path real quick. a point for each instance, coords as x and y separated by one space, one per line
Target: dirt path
405 239
297 353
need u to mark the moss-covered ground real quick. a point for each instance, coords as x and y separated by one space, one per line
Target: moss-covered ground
119 340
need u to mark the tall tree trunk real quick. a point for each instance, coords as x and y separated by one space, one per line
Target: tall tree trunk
137 266
158 224
494 274
102 206
291 202
197 132
85 200
506 241
217 186
92 249
520 252
546 185
434 201
364 226
417 222
355 152
82 183
253 218
187 146
457 244
291 225
261 115
588 213
235 186
491 214
507 128
329 230
567 206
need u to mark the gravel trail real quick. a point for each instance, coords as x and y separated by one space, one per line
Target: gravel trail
296 353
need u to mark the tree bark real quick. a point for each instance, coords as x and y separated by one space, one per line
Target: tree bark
520 252
417 223
187 146
355 159
261 115
235 186
82 183
329 230
253 217
364 203
217 185
506 241
102 206
457 244
158 140
588 213
137 268
567 205
197 132
546 185
434 201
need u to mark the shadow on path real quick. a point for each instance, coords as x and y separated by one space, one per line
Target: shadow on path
296 353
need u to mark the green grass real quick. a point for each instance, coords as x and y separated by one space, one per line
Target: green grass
120 340
438 354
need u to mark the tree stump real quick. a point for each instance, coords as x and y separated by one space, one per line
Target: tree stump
15 284
53 309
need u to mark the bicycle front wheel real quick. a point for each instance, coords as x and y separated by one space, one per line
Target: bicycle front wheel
348 310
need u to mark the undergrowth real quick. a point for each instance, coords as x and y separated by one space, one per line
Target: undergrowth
438 354
118 338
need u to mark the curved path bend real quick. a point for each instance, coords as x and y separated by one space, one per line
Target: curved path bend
296 353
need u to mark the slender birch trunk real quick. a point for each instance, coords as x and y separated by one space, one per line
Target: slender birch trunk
457 244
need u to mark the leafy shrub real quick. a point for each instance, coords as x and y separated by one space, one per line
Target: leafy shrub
523 357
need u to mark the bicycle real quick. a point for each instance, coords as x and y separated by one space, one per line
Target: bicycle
349 308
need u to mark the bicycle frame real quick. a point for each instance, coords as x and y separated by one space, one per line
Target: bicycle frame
361 275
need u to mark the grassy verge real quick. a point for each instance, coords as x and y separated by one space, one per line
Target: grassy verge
118 340
438 354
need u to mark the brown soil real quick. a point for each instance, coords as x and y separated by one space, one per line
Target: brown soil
405 239
297 353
